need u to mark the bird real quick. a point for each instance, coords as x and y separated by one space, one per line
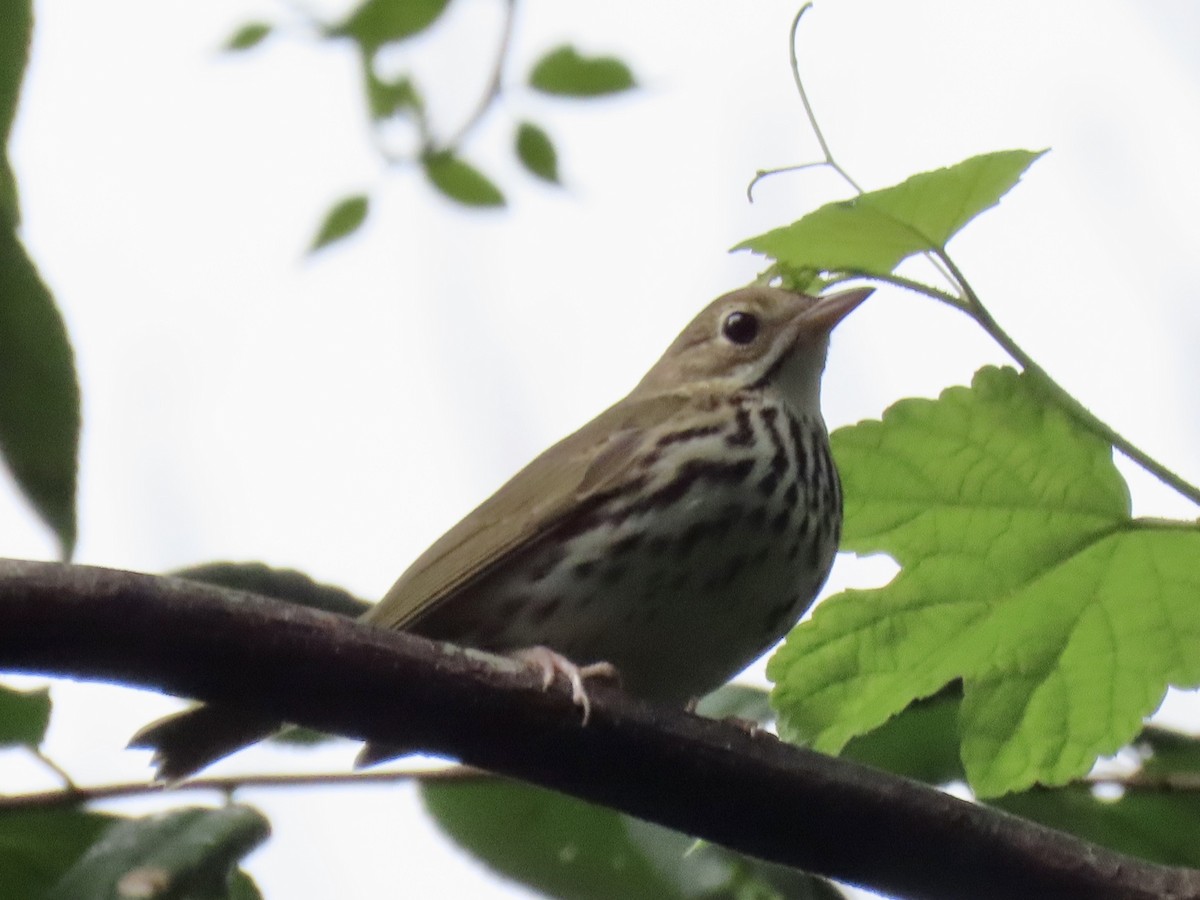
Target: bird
674 538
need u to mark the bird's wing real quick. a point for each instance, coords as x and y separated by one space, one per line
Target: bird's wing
528 507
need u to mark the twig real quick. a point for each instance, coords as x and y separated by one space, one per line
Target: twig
75 794
495 83
1065 400
65 777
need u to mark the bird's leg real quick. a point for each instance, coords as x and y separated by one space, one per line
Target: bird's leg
550 663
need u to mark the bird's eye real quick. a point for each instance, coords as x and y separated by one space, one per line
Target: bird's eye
740 327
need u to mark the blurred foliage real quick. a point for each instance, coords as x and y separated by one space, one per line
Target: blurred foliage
24 717
393 98
184 853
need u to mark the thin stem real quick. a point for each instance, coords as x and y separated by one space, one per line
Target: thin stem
910 284
495 82
63 775
1072 406
765 173
808 110
75 794
1175 782
829 159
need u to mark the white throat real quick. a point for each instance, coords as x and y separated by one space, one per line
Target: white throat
799 379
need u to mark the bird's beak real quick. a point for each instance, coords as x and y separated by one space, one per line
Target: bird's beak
823 315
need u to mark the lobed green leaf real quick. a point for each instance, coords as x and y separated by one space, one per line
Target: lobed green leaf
876 231
564 72
343 219
1022 574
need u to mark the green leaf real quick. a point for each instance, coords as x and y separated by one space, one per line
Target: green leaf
459 181
249 35
566 848
16 29
243 887
737 701
379 22
876 231
185 853
387 98
700 869
565 73
536 152
555 844
24 717
1022 574
282 584
921 742
39 394
1161 827
1168 753
343 219
1147 820
38 846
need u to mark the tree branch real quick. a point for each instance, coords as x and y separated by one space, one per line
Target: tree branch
709 779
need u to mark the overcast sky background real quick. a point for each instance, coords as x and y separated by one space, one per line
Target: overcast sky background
336 414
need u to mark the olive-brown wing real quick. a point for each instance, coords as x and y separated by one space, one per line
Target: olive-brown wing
528 508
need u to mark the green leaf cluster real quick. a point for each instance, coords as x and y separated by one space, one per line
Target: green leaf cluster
376 25
62 851
1022 574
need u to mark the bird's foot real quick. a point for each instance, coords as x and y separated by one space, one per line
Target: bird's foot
550 664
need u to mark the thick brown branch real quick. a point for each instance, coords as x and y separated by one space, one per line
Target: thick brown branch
709 779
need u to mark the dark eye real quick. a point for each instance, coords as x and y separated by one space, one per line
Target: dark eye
740 327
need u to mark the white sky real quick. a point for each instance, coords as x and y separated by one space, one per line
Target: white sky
337 414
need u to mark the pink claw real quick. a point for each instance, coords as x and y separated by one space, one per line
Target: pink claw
551 663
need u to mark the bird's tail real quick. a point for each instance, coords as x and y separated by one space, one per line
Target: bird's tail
186 742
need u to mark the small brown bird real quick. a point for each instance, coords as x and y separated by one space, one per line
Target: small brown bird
677 536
